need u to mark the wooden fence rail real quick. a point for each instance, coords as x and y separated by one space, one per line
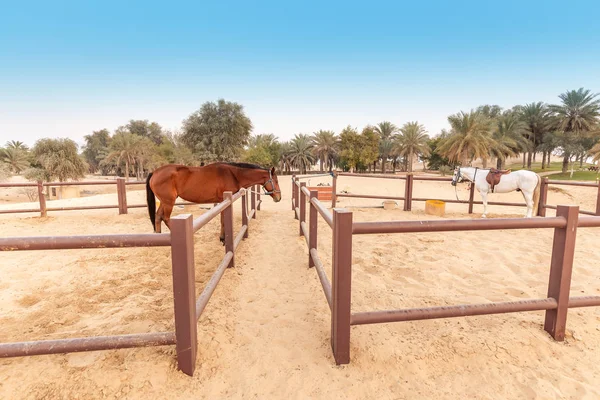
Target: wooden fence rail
338 292
408 198
187 307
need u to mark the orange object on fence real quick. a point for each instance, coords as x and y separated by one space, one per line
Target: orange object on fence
323 192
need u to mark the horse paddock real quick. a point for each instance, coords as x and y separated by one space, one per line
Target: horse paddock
266 331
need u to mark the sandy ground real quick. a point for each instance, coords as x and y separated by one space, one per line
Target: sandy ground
265 332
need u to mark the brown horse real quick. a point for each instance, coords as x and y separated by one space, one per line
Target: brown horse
203 185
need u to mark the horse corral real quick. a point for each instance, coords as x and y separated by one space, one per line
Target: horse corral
266 333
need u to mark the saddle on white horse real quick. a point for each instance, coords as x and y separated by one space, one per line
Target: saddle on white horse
493 177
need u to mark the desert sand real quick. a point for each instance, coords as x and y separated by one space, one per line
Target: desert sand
265 333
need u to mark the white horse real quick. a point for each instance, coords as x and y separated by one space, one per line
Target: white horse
527 182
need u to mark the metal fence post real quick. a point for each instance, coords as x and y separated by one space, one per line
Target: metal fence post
471 196
302 207
258 197
341 285
245 214
293 191
122 195
334 191
543 197
42 199
184 291
228 222
408 192
598 200
313 229
253 200
563 249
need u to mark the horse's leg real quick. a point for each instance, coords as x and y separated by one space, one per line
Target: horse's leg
168 208
484 200
222 237
528 196
158 219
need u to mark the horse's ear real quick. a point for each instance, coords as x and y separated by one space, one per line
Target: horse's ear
272 170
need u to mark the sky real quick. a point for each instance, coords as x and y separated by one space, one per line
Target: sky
68 68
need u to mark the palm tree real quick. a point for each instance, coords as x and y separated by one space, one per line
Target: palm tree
411 141
470 137
595 152
301 152
285 163
385 130
17 145
537 119
15 159
578 114
325 147
509 138
124 146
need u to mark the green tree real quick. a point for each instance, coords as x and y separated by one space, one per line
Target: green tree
577 115
369 147
469 138
509 137
412 141
434 159
124 149
325 148
537 119
350 144
285 162
217 131
97 147
146 129
385 130
261 145
301 152
57 159
15 159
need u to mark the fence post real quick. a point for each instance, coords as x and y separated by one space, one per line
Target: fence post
122 195
314 220
408 192
293 191
258 197
561 266
302 207
245 213
341 285
253 200
598 200
42 199
228 222
471 196
334 191
543 197
184 291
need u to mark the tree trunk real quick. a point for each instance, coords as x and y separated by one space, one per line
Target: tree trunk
464 159
529 157
499 163
524 155
321 164
394 162
484 162
127 170
543 160
410 162
374 166
565 164
581 160
383 161
534 154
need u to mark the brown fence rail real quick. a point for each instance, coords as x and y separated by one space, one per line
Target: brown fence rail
338 291
43 209
188 308
409 185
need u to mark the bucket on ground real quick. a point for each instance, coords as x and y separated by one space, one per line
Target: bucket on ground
389 205
435 207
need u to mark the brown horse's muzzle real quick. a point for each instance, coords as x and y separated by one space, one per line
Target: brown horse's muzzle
276 197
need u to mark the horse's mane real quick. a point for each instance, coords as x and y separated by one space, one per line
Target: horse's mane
245 165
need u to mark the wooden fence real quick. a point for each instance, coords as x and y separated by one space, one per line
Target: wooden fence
43 209
338 293
187 307
408 198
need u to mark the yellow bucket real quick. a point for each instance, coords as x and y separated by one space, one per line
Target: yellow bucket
435 207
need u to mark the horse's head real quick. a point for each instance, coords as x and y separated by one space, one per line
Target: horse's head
271 186
457 177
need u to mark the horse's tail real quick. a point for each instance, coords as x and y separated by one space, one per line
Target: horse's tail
536 195
151 201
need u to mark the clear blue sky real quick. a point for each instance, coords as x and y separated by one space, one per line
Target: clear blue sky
68 68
